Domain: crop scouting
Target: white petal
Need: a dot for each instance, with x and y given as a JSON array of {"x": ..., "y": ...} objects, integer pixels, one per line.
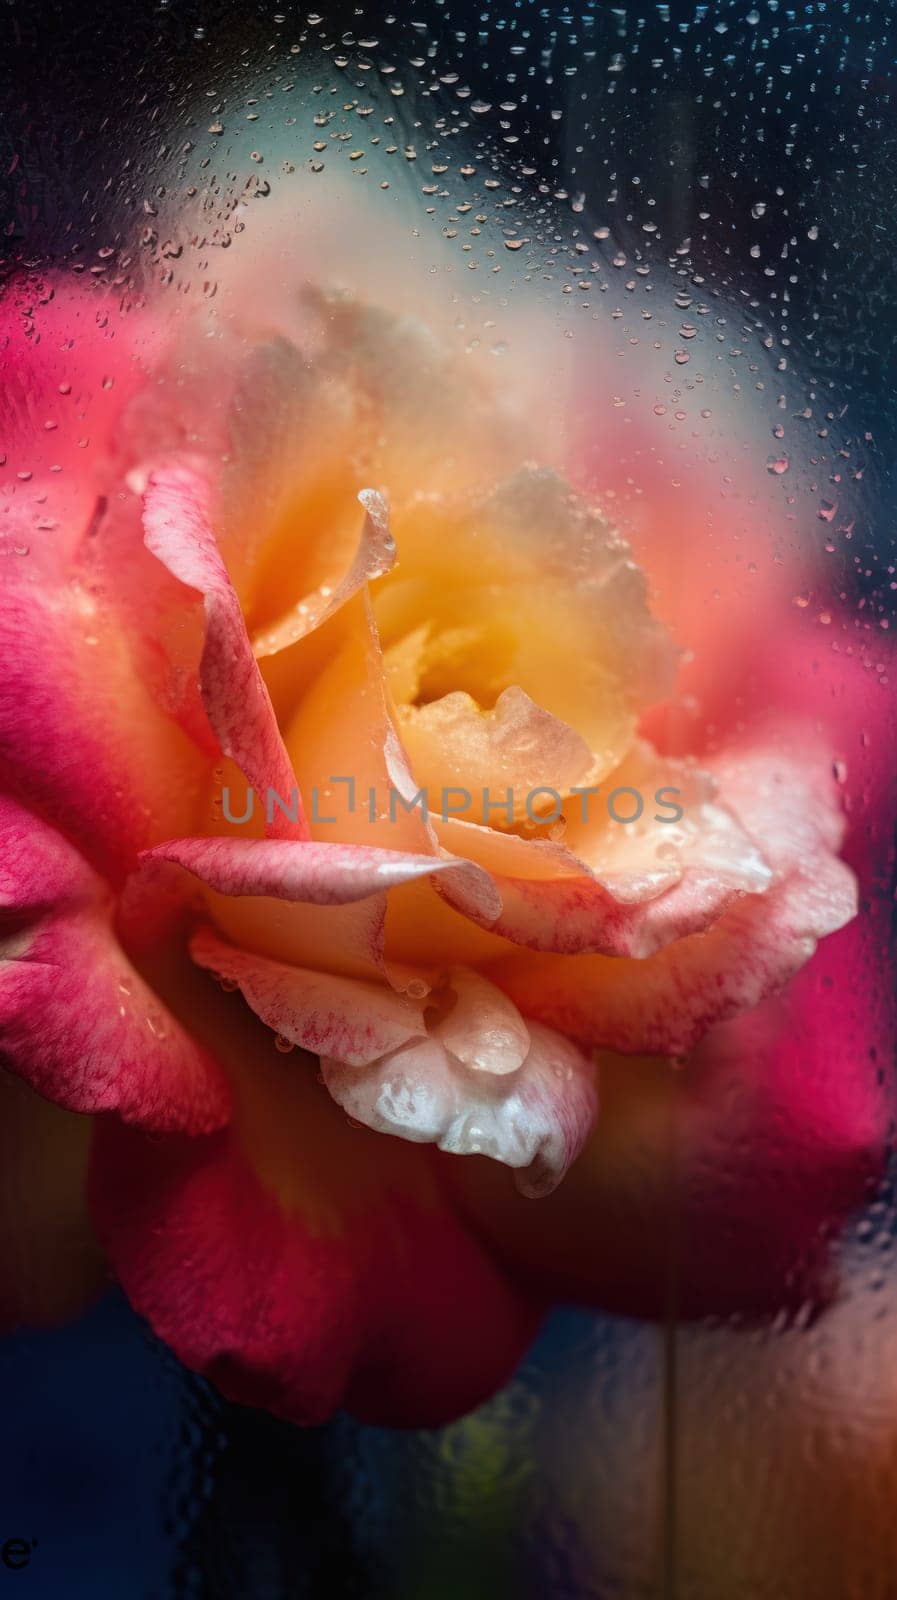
[
  {"x": 484, "y": 1030},
  {"x": 534, "y": 1120}
]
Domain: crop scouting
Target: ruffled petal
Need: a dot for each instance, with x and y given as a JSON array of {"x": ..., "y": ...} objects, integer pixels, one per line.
[
  {"x": 307, "y": 870},
  {"x": 76, "y": 1019},
  {"x": 665, "y": 1003},
  {"x": 309, "y": 903},
  {"x": 351, "y": 764},
  {"x": 536, "y": 514},
  {"x": 303, "y": 1264},
  {"x": 394, "y": 372},
  {"x": 721, "y": 1180},
  {"x": 179, "y": 532},
  {"x": 320, "y": 1011},
  {"x": 533, "y": 1116},
  {"x": 619, "y": 888},
  {"x": 528, "y": 586},
  {"x": 484, "y": 1030},
  {"x": 507, "y": 751},
  {"x": 373, "y": 555}
]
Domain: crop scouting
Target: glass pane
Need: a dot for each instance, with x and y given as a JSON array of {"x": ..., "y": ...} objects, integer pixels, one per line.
[{"x": 478, "y": 420}]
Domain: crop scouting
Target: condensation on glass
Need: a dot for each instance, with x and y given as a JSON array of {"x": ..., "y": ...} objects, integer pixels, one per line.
[{"x": 687, "y": 211}]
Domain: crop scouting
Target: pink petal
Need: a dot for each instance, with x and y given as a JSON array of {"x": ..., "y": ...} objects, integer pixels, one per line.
[
  {"x": 571, "y": 916},
  {"x": 307, "y": 870},
  {"x": 70, "y": 361},
  {"x": 76, "y": 1020},
  {"x": 619, "y": 889},
  {"x": 575, "y": 915},
  {"x": 80, "y": 736},
  {"x": 178, "y": 531},
  {"x": 323, "y": 1013},
  {"x": 665, "y": 1003},
  {"x": 631, "y": 903}
]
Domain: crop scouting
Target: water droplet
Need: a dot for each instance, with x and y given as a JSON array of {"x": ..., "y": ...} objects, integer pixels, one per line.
[{"x": 157, "y": 1025}]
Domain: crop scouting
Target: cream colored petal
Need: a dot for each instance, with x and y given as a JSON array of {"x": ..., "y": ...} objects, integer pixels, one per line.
[
  {"x": 516, "y": 746},
  {"x": 616, "y": 887},
  {"x": 374, "y": 555},
  {"x": 663, "y": 1004},
  {"x": 484, "y": 1030},
  {"x": 527, "y": 585},
  {"x": 534, "y": 1120},
  {"x": 421, "y": 414}
]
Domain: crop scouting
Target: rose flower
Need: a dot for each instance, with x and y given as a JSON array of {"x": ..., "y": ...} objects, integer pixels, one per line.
[{"x": 324, "y": 737}]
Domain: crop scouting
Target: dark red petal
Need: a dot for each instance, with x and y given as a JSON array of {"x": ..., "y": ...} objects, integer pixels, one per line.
[
  {"x": 302, "y": 1263},
  {"x": 719, "y": 1182}
]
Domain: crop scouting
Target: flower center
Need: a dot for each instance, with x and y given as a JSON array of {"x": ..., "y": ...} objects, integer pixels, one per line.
[{"x": 432, "y": 661}]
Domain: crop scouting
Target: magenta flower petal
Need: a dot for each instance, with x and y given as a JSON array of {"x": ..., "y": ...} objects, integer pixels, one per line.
[
  {"x": 322, "y": 1012},
  {"x": 76, "y": 1020},
  {"x": 178, "y": 530},
  {"x": 306, "y": 870}
]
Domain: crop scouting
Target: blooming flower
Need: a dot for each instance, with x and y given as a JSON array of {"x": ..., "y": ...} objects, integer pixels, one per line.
[{"x": 319, "y": 569}]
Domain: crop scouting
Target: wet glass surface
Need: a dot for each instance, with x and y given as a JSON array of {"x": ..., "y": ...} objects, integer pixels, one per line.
[{"x": 684, "y": 215}]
